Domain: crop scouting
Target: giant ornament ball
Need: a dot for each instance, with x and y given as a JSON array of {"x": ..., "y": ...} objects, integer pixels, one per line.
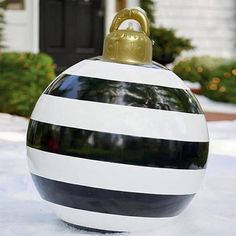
[{"x": 118, "y": 143}]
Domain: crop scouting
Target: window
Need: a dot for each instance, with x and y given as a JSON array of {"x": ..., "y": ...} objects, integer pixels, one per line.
[{"x": 15, "y": 5}]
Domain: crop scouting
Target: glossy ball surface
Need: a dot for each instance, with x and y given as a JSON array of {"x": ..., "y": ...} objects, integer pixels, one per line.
[{"x": 117, "y": 147}]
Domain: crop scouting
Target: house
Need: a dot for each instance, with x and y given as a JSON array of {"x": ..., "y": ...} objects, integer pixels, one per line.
[
  {"x": 68, "y": 30},
  {"x": 71, "y": 30},
  {"x": 211, "y": 24}
]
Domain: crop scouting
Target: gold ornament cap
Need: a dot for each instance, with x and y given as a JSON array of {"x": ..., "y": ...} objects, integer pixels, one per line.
[{"x": 129, "y": 46}]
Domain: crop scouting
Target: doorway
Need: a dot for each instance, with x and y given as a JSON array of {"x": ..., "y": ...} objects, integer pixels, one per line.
[{"x": 71, "y": 30}]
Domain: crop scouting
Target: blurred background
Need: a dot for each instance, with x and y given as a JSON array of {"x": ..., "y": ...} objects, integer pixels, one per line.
[{"x": 41, "y": 38}]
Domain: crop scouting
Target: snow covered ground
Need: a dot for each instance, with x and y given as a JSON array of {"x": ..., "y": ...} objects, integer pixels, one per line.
[
  {"x": 213, "y": 106},
  {"x": 210, "y": 105},
  {"x": 23, "y": 213}
]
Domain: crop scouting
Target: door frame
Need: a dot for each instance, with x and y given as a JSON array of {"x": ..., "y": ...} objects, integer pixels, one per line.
[
  {"x": 33, "y": 12},
  {"x": 74, "y": 18}
]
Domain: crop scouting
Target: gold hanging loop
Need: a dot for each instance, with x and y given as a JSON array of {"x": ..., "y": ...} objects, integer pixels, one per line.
[
  {"x": 129, "y": 46},
  {"x": 131, "y": 14}
]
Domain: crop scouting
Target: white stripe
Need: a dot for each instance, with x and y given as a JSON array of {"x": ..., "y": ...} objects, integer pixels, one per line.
[
  {"x": 127, "y": 120},
  {"x": 126, "y": 73},
  {"x": 110, "y": 222},
  {"x": 113, "y": 176}
]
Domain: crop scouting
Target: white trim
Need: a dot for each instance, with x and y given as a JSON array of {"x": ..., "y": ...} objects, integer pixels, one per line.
[
  {"x": 127, "y": 120},
  {"x": 35, "y": 26},
  {"x": 126, "y": 73},
  {"x": 22, "y": 28},
  {"x": 110, "y": 10},
  {"x": 133, "y": 3},
  {"x": 113, "y": 176},
  {"x": 110, "y": 222}
]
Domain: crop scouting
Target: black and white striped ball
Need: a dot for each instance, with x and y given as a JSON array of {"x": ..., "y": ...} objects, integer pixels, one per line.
[{"x": 117, "y": 147}]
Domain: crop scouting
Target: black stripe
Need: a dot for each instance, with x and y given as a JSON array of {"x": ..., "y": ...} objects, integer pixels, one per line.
[
  {"x": 110, "y": 201},
  {"x": 117, "y": 148},
  {"x": 124, "y": 93}
]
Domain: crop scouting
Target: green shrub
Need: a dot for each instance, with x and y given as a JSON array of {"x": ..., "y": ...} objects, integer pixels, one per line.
[
  {"x": 23, "y": 77},
  {"x": 168, "y": 46},
  {"x": 197, "y": 69},
  {"x": 217, "y": 76},
  {"x": 149, "y": 7},
  {"x": 221, "y": 85}
]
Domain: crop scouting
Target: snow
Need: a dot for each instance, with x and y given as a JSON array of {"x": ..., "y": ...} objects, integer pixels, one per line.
[
  {"x": 210, "y": 105},
  {"x": 22, "y": 212},
  {"x": 192, "y": 85},
  {"x": 213, "y": 106}
]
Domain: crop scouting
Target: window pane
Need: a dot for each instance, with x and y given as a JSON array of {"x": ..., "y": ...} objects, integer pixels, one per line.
[{"x": 15, "y": 4}]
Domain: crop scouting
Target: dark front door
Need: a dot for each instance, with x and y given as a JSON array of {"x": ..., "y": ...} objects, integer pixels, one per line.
[{"x": 71, "y": 30}]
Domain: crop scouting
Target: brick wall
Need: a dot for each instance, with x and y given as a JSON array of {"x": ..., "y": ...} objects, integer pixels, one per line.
[{"x": 211, "y": 24}]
